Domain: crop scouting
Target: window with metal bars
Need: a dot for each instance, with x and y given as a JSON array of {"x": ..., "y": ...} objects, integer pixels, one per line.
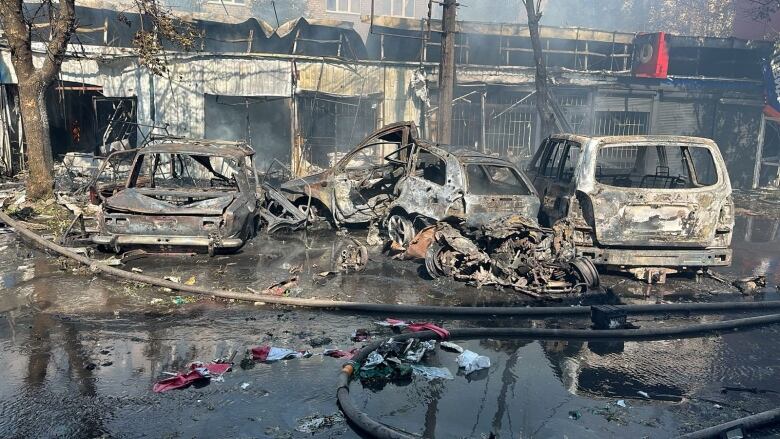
[
  {"x": 332, "y": 126},
  {"x": 621, "y": 123}
]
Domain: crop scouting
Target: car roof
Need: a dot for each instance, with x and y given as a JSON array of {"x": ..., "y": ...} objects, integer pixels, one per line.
[
  {"x": 471, "y": 156},
  {"x": 219, "y": 148},
  {"x": 606, "y": 140}
]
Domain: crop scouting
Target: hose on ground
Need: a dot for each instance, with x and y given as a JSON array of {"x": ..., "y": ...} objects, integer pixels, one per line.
[
  {"x": 379, "y": 430},
  {"x": 457, "y": 311},
  {"x": 747, "y": 423}
]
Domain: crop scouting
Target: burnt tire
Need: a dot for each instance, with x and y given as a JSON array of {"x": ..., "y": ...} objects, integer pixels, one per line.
[
  {"x": 400, "y": 229},
  {"x": 586, "y": 272},
  {"x": 432, "y": 265}
]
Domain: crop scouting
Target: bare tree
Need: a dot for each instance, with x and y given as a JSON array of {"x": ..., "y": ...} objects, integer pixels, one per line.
[
  {"x": 162, "y": 25},
  {"x": 546, "y": 115},
  {"x": 33, "y": 82}
]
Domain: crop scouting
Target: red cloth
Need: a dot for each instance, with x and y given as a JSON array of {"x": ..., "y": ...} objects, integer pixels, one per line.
[
  {"x": 260, "y": 353},
  {"x": 177, "y": 382},
  {"x": 419, "y": 326},
  {"x": 215, "y": 368},
  {"x": 335, "y": 353},
  {"x": 423, "y": 326}
]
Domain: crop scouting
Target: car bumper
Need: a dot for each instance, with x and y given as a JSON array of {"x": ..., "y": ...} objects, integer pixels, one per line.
[
  {"x": 184, "y": 241},
  {"x": 708, "y": 257}
]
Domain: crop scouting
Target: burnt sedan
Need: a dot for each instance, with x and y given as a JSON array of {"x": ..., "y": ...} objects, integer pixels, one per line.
[
  {"x": 410, "y": 183},
  {"x": 195, "y": 194}
]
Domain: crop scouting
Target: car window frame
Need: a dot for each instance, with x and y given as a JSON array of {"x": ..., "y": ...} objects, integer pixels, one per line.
[{"x": 413, "y": 165}]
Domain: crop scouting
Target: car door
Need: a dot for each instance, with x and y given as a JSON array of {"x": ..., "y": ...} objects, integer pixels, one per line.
[{"x": 553, "y": 178}]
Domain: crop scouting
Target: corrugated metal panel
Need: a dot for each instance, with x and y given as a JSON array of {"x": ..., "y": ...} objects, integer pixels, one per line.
[
  {"x": 347, "y": 80},
  {"x": 684, "y": 118},
  {"x": 623, "y": 103}
]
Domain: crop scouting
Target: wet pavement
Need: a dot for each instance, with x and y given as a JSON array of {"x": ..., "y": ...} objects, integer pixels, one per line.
[{"x": 81, "y": 352}]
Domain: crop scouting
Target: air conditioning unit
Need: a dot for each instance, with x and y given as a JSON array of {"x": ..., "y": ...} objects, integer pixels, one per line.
[{"x": 651, "y": 56}]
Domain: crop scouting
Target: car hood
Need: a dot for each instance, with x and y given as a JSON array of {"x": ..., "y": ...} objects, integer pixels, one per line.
[{"x": 132, "y": 201}]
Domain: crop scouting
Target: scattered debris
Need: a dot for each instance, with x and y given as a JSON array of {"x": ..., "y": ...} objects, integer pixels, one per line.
[
  {"x": 749, "y": 285},
  {"x": 450, "y": 346},
  {"x": 574, "y": 415},
  {"x": 313, "y": 424},
  {"x": 393, "y": 360},
  {"x": 432, "y": 373},
  {"x": 621, "y": 403},
  {"x": 643, "y": 394},
  {"x": 320, "y": 341},
  {"x": 336, "y": 353},
  {"x": 361, "y": 334},
  {"x": 373, "y": 239},
  {"x": 244, "y": 386},
  {"x": 510, "y": 251},
  {"x": 267, "y": 354},
  {"x": 471, "y": 361},
  {"x": 415, "y": 327},
  {"x": 354, "y": 257},
  {"x": 279, "y": 288},
  {"x": 197, "y": 371}
]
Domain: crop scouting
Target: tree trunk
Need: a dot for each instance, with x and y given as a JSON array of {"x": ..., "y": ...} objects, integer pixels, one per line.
[
  {"x": 546, "y": 114},
  {"x": 34, "y": 82},
  {"x": 35, "y": 123}
]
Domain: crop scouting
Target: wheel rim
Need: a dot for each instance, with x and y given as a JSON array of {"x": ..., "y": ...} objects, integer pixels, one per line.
[{"x": 400, "y": 230}]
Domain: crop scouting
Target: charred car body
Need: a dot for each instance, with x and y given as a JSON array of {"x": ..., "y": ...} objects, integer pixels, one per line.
[
  {"x": 193, "y": 193},
  {"x": 645, "y": 203},
  {"x": 410, "y": 183}
]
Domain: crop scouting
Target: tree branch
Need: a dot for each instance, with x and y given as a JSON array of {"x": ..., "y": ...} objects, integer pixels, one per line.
[{"x": 61, "y": 30}]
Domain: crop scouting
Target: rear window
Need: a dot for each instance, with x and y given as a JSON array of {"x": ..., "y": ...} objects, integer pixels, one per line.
[
  {"x": 495, "y": 180},
  {"x": 656, "y": 166}
]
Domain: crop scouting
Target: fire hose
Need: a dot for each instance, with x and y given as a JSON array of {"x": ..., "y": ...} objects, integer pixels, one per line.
[
  {"x": 378, "y": 430},
  {"x": 453, "y": 311}
]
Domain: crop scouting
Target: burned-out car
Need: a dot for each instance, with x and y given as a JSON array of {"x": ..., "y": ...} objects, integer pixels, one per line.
[
  {"x": 194, "y": 193},
  {"x": 662, "y": 202},
  {"x": 410, "y": 183}
]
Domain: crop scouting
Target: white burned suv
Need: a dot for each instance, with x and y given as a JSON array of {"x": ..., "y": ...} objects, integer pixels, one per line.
[{"x": 658, "y": 202}]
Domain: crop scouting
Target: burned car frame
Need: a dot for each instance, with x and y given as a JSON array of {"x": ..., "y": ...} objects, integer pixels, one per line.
[
  {"x": 659, "y": 202},
  {"x": 409, "y": 183},
  {"x": 184, "y": 193}
]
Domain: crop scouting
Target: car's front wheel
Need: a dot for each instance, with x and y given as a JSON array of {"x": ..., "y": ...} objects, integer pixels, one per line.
[{"x": 400, "y": 229}]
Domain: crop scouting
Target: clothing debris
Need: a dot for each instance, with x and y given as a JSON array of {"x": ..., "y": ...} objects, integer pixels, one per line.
[
  {"x": 269, "y": 353},
  {"x": 432, "y": 373},
  {"x": 471, "y": 361},
  {"x": 415, "y": 327},
  {"x": 198, "y": 371},
  {"x": 336, "y": 353}
]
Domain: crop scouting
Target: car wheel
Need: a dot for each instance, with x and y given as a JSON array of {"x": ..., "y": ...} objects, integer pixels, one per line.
[
  {"x": 432, "y": 265},
  {"x": 400, "y": 229}
]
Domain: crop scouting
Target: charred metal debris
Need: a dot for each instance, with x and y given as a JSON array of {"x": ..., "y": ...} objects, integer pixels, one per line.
[{"x": 507, "y": 251}]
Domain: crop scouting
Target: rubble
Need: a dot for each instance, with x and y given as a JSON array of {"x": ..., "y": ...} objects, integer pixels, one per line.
[{"x": 509, "y": 251}]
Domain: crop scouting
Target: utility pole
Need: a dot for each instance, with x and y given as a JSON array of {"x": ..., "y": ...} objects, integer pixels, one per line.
[{"x": 446, "y": 72}]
